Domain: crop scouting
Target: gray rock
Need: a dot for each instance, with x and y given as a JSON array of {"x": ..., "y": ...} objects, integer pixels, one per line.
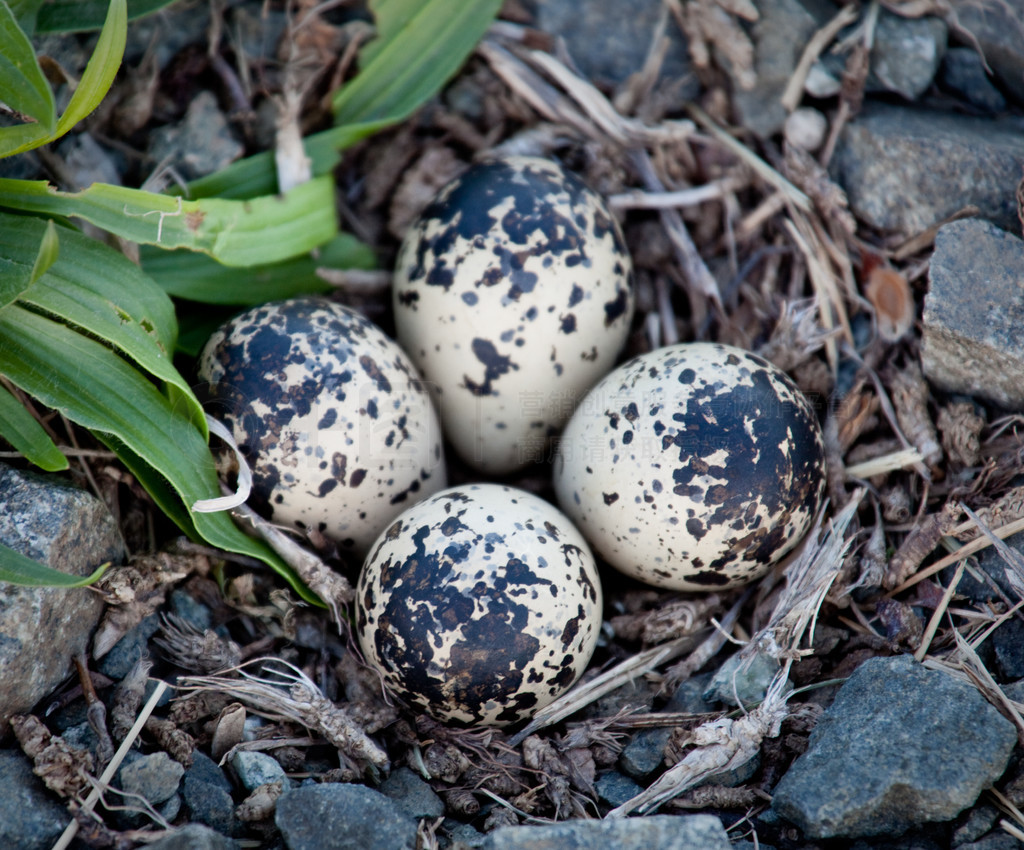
[
  {"x": 256, "y": 769},
  {"x": 205, "y": 769},
  {"x": 335, "y": 816},
  {"x": 645, "y": 754},
  {"x": 155, "y": 777},
  {"x": 906, "y": 54},
  {"x": 658, "y": 832},
  {"x": 615, "y": 789},
  {"x": 208, "y": 804},
  {"x": 120, "y": 659},
  {"x": 996, "y": 841},
  {"x": 87, "y": 162},
  {"x": 200, "y": 144},
  {"x": 999, "y": 29},
  {"x": 779, "y": 37},
  {"x": 964, "y": 73},
  {"x": 979, "y": 821},
  {"x": 43, "y": 628},
  {"x": 689, "y": 696},
  {"x": 905, "y": 169},
  {"x": 194, "y": 837},
  {"x": 607, "y": 45},
  {"x": 414, "y": 796},
  {"x": 1008, "y": 645},
  {"x": 31, "y": 818},
  {"x": 899, "y": 746},
  {"x": 745, "y": 679},
  {"x": 974, "y": 313}
]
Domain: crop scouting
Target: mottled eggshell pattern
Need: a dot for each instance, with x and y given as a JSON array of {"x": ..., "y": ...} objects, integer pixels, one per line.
[
  {"x": 329, "y": 413},
  {"x": 513, "y": 294},
  {"x": 693, "y": 467},
  {"x": 479, "y": 605}
]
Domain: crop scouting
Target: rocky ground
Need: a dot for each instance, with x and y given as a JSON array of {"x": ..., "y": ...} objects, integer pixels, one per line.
[{"x": 837, "y": 189}]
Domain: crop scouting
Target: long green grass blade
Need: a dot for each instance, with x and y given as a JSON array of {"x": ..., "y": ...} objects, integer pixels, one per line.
[
  {"x": 196, "y": 277},
  {"x": 49, "y": 249},
  {"x": 96, "y": 388},
  {"x": 420, "y": 46},
  {"x": 100, "y": 71},
  {"x": 84, "y": 15},
  {"x": 95, "y": 288},
  {"x": 22, "y": 431},
  {"x": 23, "y": 86},
  {"x": 16, "y": 568},
  {"x": 262, "y": 230}
]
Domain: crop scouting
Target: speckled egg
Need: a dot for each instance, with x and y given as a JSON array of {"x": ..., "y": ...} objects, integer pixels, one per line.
[
  {"x": 479, "y": 605},
  {"x": 513, "y": 294},
  {"x": 693, "y": 467},
  {"x": 329, "y": 413}
]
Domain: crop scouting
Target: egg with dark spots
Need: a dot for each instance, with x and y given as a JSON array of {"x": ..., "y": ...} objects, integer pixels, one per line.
[
  {"x": 513, "y": 294},
  {"x": 693, "y": 467},
  {"x": 329, "y": 413},
  {"x": 479, "y": 605}
]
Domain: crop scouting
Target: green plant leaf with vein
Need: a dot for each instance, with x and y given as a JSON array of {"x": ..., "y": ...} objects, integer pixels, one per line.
[
  {"x": 24, "y": 81},
  {"x": 261, "y": 230},
  {"x": 196, "y": 277},
  {"x": 16, "y": 568},
  {"x": 420, "y": 46},
  {"x": 21, "y": 430}
]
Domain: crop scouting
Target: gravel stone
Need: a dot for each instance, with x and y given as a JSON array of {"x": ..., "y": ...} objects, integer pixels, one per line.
[
  {"x": 899, "y": 746},
  {"x": 31, "y": 818},
  {"x": 209, "y": 804},
  {"x": 999, "y": 29},
  {"x": 974, "y": 312},
  {"x": 962, "y": 72},
  {"x": 414, "y": 796},
  {"x": 155, "y": 777},
  {"x": 194, "y": 837},
  {"x": 905, "y": 169},
  {"x": 338, "y": 816},
  {"x": 256, "y": 769},
  {"x": 658, "y": 832},
  {"x": 133, "y": 645},
  {"x": 205, "y": 769},
  {"x": 746, "y": 680},
  {"x": 71, "y": 530},
  {"x": 1008, "y": 645},
  {"x": 615, "y": 789},
  {"x": 200, "y": 144},
  {"x": 645, "y": 753},
  {"x": 906, "y": 54}
]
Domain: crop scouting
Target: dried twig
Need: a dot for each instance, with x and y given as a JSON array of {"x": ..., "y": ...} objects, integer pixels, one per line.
[{"x": 288, "y": 694}]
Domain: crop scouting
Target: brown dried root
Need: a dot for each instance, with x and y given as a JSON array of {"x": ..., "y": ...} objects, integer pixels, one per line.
[
  {"x": 64, "y": 769},
  {"x": 708, "y": 28},
  {"x": 201, "y": 652},
  {"x": 261, "y": 803},
  {"x": 961, "y": 428},
  {"x": 177, "y": 743},
  {"x": 1006, "y": 509},
  {"x": 561, "y": 773},
  {"x": 828, "y": 197},
  {"x": 128, "y": 699},
  {"x": 134, "y": 592},
  {"x": 910, "y": 396},
  {"x": 920, "y": 544},
  {"x": 289, "y": 695},
  {"x": 721, "y": 797}
]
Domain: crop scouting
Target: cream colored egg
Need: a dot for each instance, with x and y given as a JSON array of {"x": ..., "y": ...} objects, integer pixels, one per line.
[
  {"x": 693, "y": 467},
  {"x": 328, "y": 412},
  {"x": 513, "y": 295},
  {"x": 479, "y": 605}
]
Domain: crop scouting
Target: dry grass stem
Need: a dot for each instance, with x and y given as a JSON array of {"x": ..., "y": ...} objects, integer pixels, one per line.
[
  {"x": 637, "y": 199},
  {"x": 289, "y": 695},
  {"x": 794, "y": 92},
  {"x": 939, "y": 613},
  {"x": 903, "y": 459}
]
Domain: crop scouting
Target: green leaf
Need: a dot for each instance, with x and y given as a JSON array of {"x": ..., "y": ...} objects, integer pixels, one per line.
[
  {"x": 261, "y": 230},
  {"x": 420, "y": 45},
  {"x": 26, "y": 11},
  {"x": 256, "y": 175},
  {"x": 100, "y": 71},
  {"x": 91, "y": 89},
  {"x": 198, "y": 278},
  {"x": 19, "y": 569},
  {"x": 23, "y": 86},
  {"x": 83, "y": 15},
  {"x": 21, "y": 430},
  {"x": 215, "y": 529},
  {"x": 96, "y": 388},
  {"x": 49, "y": 248},
  {"x": 93, "y": 287}
]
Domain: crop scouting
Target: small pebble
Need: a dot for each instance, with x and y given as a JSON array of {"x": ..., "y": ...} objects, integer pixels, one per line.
[
  {"x": 256, "y": 769},
  {"x": 155, "y": 777},
  {"x": 805, "y": 128},
  {"x": 412, "y": 794}
]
